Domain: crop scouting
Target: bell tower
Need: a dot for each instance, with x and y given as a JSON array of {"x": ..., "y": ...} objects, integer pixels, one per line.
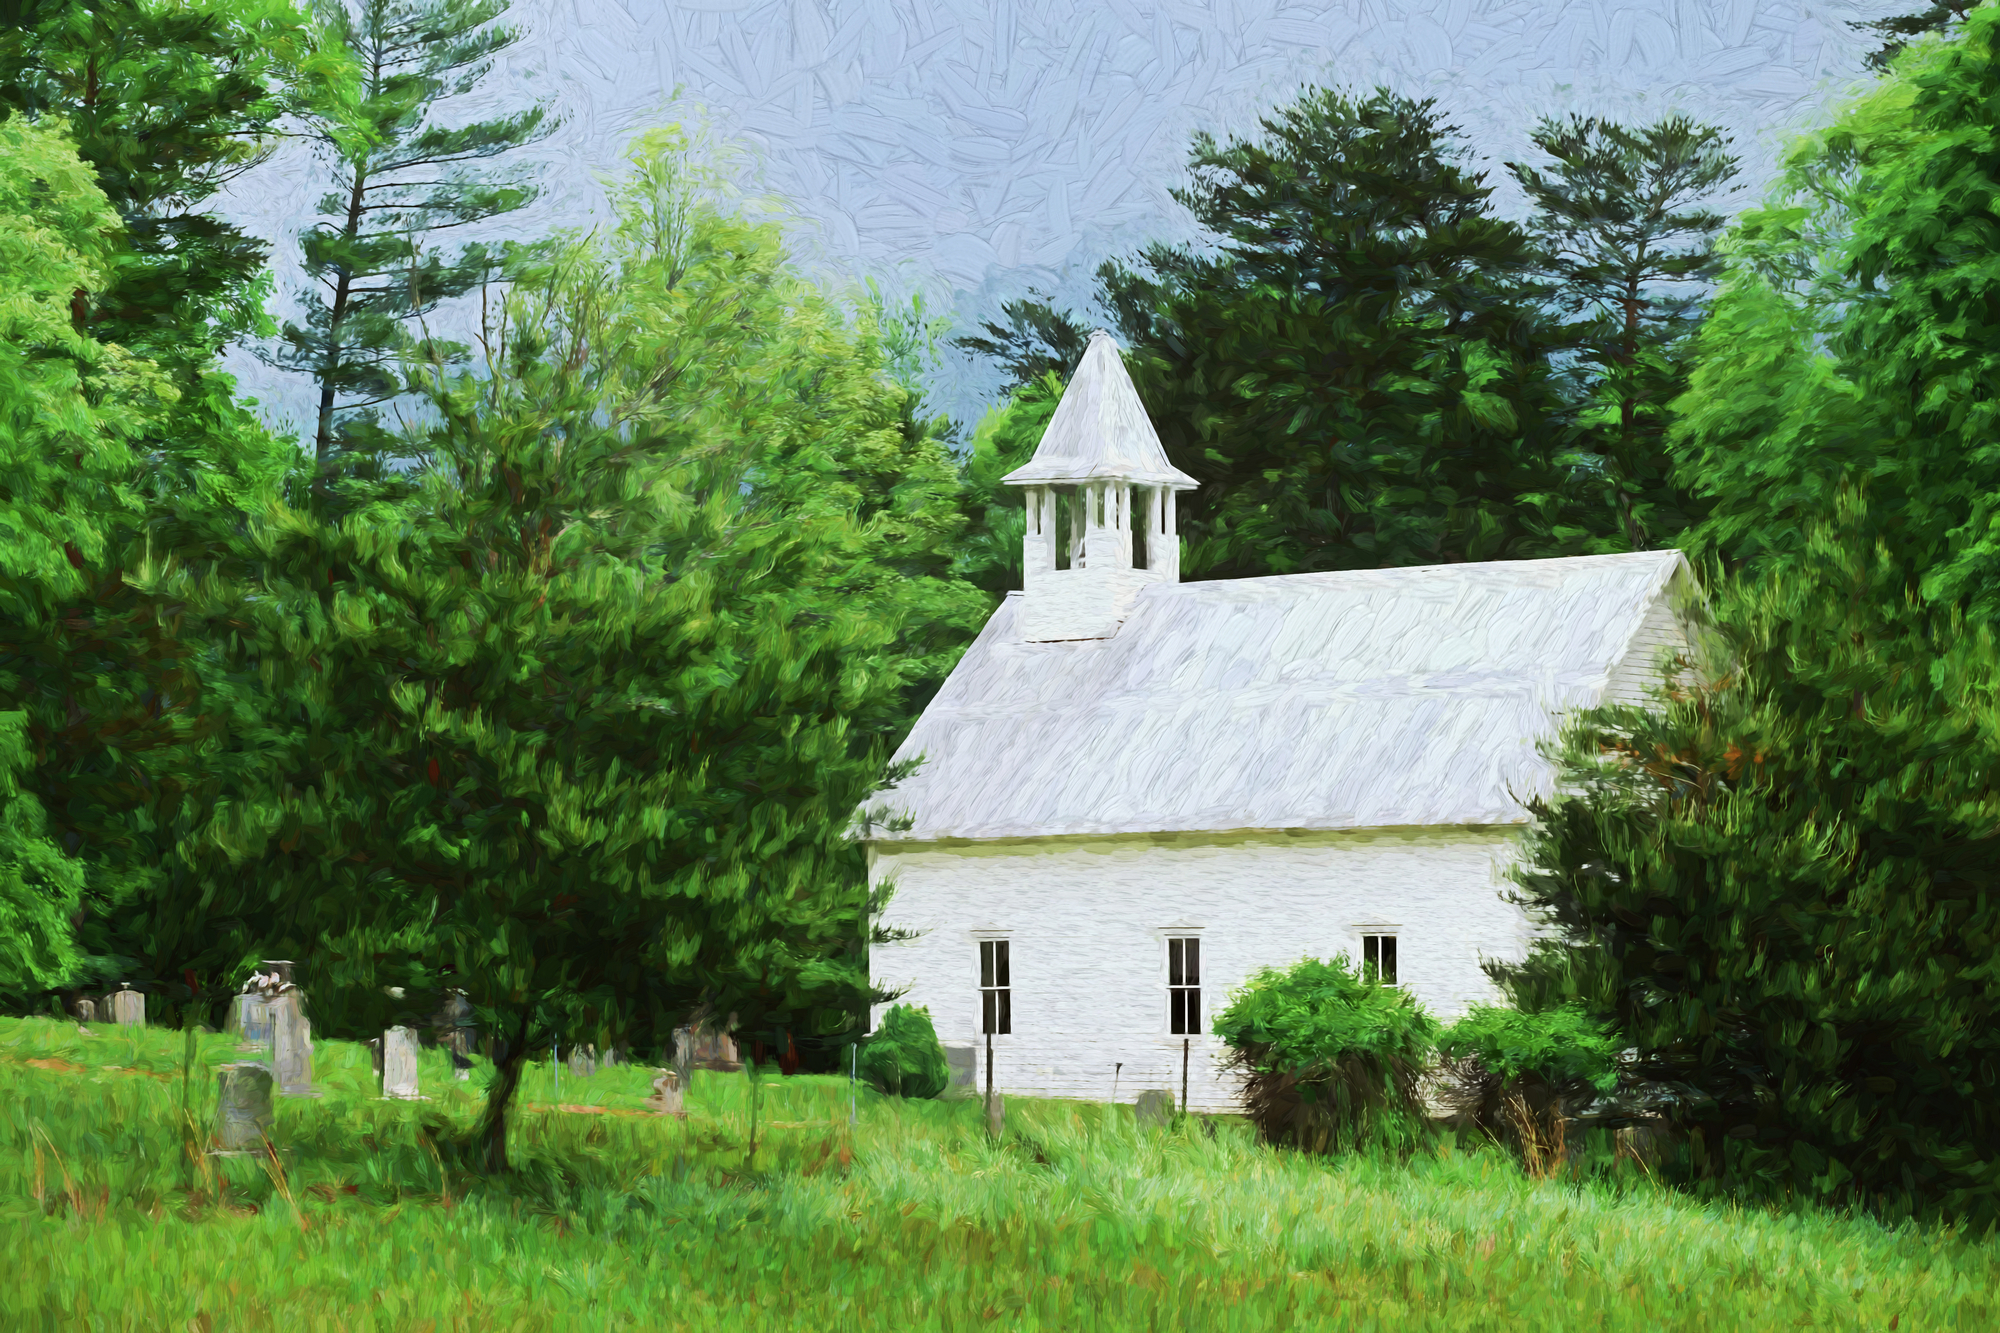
[{"x": 1101, "y": 522}]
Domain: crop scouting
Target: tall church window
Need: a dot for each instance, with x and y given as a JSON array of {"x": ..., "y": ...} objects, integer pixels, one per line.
[
  {"x": 1184, "y": 985},
  {"x": 996, "y": 989},
  {"x": 1378, "y": 958}
]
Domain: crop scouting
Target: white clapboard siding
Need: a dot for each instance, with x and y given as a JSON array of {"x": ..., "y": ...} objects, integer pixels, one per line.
[
  {"x": 1087, "y": 919},
  {"x": 1367, "y": 699},
  {"x": 1636, "y": 679}
]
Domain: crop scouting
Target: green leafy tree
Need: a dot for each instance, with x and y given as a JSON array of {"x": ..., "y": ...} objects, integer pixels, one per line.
[
  {"x": 398, "y": 179},
  {"x": 1630, "y": 258},
  {"x": 1037, "y": 341},
  {"x": 1780, "y": 888},
  {"x": 167, "y": 102},
  {"x": 592, "y": 712},
  {"x": 70, "y": 407}
]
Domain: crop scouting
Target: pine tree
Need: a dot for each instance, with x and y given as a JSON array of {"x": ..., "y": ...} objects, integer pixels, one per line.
[
  {"x": 1626, "y": 249},
  {"x": 1349, "y": 363},
  {"x": 168, "y": 103},
  {"x": 397, "y": 180},
  {"x": 588, "y": 721}
]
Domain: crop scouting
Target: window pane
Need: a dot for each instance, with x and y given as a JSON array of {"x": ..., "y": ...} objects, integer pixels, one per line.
[
  {"x": 986, "y": 1003},
  {"x": 1193, "y": 963},
  {"x": 986, "y": 962},
  {"x": 1176, "y": 1012},
  {"x": 1370, "y": 953},
  {"x": 1389, "y": 959},
  {"x": 1174, "y": 963},
  {"x": 1000, "y": 963},
  {"x": 1006, "y": 1010}
]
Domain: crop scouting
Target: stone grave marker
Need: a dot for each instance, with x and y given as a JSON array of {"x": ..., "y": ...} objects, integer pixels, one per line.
[
  {"x": 128, "y": 1007},
  {"x": 86, "y": 1011},
  {"x": 582, "y": 1061},
  {"x": 1155, "y": 1108},
  {"x": 243, "y": 1107},
  {"x": 399, "y": 1064},
  {"x": 291, "y": 1044},
  {"x": 669, "y": 1095},
  {"x": 963, "y": 1061}
]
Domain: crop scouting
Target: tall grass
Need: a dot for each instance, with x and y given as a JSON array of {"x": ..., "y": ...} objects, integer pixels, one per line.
[{"x": 910, "y": 1219}]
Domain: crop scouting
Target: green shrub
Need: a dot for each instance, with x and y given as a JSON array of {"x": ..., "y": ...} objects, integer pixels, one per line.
[
  {"x": 1557, "y": 1058},
  {"x": 1332, "y": 1060},
  {"x": 904, "y": 1056}
]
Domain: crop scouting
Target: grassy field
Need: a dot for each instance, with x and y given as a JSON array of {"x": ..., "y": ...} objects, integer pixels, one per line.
[{"x": 908, "y": 1220}]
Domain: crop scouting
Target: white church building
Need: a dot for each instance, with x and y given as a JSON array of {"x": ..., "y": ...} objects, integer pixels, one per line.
[{"x": 1135, "y": 792}]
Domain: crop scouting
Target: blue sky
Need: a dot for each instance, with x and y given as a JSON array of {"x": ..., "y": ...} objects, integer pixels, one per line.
[{"x": 971, "y": 149}]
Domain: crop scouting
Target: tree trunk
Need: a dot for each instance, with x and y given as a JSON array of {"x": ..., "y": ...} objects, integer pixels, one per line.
[{"x": 492, "y": 1132}]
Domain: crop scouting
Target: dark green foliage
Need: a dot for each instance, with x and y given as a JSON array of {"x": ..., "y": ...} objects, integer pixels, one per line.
[
  {"x": 1351, "y": 365},
  {"x": 167, "y": 103},
  {"x": 990, "y": 554},
  {"x": 903, "y": 1056},
  {"x": 1332, "y": 1059},
  {"x": 397, "y": 179},
  {"x": 1629, "y": 259},
  {"x": 585, "y": 719},
  {"x": 1783, "y": 889},
  {"x": 1943, "y": 17},
  {"x": 1036, "y": 342}
]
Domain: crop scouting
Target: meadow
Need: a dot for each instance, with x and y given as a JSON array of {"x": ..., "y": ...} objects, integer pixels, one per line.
[{"x": 907, "y": 1218}]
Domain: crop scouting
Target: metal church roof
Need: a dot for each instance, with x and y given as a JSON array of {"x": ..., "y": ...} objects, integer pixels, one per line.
[
  {"x": 1368, "y": 699},
  {"x": 1100, "y": 430}
]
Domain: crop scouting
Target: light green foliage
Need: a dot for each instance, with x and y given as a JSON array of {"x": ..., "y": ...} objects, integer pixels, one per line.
[
  {"x": 69, "y": 407},
  {"x": 913, "y": 1219},
  {"x": 168, "y": 100},
  {"x": 1558, "y": 1046},
  {"x": 1331, "y": 1057},
  {"x": 903, "y": 1056}
]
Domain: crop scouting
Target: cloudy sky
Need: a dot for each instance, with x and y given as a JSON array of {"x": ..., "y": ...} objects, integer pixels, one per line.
[{"x": 972, "y": 149}]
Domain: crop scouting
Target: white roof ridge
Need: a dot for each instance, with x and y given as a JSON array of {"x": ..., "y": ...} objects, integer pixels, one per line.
[{"x": 1100, "y": 430}]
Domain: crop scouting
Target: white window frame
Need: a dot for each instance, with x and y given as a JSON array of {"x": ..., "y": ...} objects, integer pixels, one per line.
[
  {"x": 1169, "y": 938},
  {"x": 1378, "y": 930},
  {"x": 981, "y": 940}
]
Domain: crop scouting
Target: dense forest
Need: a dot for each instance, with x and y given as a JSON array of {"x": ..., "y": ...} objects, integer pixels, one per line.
[{"x": 558, "y": 685}]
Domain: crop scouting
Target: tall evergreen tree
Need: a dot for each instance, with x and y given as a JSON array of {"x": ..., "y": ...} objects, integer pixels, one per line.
[
  {"x": 1627, "y": 250},
  {"x": 588, "y": 716},
  {"x": 398, "y": 179},
  {"x": 168, "y": 103},
  {"x": 1350, "y": 363}
]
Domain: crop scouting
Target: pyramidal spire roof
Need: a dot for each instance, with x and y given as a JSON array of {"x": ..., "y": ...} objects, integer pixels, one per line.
[{"x": 1100, "y": 430}]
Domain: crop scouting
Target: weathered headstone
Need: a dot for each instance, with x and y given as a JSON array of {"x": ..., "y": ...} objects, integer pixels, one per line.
[
  {"x": 86, "y": 1011},
  {"x": 669, "y": 1094},
  {"x": 461, "y": 1067},
  {"x": 1154, "y": 1108},
  {"x": 291, "y": 1044},
  {"x": 244, "y": 1107},
  {"x": 996, "y": 1113},
  {"x": 399, "y": 1064},
  {"x": 963, "y": 1061},
  {"x": 128, "y": 1007},
  {"x": 582, "y": 1061}
]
